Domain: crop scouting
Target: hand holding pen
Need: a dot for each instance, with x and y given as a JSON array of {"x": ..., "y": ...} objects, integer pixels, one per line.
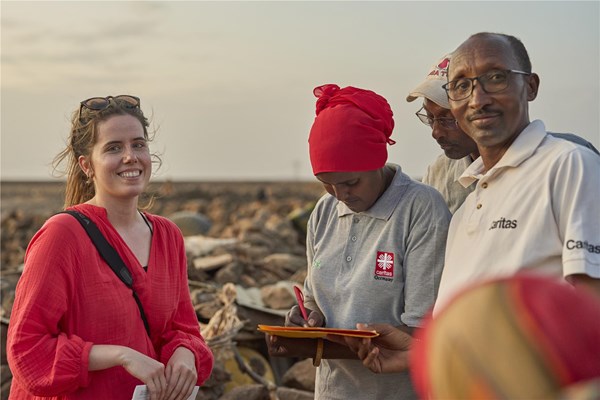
[
  {"x": 300, "y": 300},
  {"x": 300, "y": 316}
]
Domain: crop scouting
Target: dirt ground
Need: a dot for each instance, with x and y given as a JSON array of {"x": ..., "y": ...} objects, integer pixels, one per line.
[
  {"x": 232, "y": 207},
  {"x": 48, "y": 196}
]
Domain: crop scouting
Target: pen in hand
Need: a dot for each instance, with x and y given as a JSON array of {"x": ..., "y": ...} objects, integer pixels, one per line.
[{"x": 300, "y": 299}]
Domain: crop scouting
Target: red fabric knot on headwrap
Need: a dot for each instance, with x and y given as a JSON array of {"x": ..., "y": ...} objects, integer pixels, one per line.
[{"x": 351, "y": 130}]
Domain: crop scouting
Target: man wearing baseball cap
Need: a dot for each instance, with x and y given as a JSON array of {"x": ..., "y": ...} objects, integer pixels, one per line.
[{"x": 459, "y": 149}]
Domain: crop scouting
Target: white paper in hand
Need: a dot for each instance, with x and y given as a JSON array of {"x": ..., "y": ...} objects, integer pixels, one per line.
[{"x": 141, "y": 393}]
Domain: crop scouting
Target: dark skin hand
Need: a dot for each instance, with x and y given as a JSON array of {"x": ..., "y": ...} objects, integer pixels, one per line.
[
  {"x": 294, "y": 318},
  {"x": 279, "y": 346},
  {"x": 585, "y": 282},
  {"x": 388, "y": 352}
]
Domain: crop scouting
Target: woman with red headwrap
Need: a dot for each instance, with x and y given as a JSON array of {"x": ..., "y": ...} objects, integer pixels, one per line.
[{"x": 375, "y": 243}]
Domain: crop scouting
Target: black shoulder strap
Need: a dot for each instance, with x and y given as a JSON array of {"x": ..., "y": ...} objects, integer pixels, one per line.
[{"x": 110, "y": 255}]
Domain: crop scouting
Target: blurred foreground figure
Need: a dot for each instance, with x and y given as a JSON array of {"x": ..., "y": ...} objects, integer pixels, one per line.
[{"x": 526, "y": 337}]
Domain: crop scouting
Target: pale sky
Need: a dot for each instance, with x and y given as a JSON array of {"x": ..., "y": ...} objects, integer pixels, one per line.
[{"x": 229, "y": 84}]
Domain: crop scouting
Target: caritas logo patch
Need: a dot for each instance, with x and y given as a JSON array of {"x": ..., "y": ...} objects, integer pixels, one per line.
[{"x": 384, "y": 265}]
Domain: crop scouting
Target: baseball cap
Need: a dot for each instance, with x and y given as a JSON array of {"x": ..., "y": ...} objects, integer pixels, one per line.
[{"x": 432, "y": 88}]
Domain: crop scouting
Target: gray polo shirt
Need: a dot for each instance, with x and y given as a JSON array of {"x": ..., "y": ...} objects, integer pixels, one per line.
[
  {"x": 443, "y": 175},
  {"x": 380, "y": 265}
]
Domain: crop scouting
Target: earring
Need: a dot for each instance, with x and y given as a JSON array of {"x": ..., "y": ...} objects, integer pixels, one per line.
[{"x": 89, "y": 179}]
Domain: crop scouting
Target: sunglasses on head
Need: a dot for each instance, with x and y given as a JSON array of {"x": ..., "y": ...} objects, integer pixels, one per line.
[{"x": 100, "y": 103}]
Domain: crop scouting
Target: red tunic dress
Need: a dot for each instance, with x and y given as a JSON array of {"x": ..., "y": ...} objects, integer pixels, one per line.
[{"x": 69, "y": 299}]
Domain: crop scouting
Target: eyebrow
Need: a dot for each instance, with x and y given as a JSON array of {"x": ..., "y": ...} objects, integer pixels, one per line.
[
  {"x": 487, "y": 67},
  {"x": 136, "y": 139},
  {"x": 112, "y": 142},
  {"x": 447, "y": 112}
]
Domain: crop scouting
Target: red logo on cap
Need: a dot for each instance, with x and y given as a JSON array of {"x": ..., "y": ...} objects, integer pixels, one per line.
[
  {"x": 384, "y": 265},
  {"x": 441, "y": 69},
  {"x": 444, "y": 64}
]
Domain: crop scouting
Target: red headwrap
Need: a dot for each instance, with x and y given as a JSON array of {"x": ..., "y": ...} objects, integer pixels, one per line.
[{"x": 351, "y": 131}]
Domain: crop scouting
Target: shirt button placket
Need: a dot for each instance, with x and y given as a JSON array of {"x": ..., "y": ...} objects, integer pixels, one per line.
[
  {"x": 353, "y": 239},
  {"x": 484, "y": 185}
]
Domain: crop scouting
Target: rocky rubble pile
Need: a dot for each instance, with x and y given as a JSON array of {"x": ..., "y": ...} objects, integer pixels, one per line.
[{"x": 247, "y": 237}]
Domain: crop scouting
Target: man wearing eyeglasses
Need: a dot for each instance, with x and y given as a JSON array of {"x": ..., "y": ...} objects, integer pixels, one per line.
[
  {"x": 459, "y": 149},
  {"x": 535, "y": 203},
  {"x": 534, "y": 206}
]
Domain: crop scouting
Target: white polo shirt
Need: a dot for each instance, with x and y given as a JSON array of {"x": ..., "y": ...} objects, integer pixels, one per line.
[{"x": 537, "y": 209}]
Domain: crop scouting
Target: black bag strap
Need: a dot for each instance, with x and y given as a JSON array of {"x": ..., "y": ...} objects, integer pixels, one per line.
[{"x": 110, "y": 255}]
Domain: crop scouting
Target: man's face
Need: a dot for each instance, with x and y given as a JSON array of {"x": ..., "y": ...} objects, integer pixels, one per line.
[
  {"x": 491, "y": 119},
  {"x": 455, "y": 143}
]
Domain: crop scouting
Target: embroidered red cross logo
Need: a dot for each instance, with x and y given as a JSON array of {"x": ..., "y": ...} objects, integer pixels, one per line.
[{"x": 384, "y": 264}]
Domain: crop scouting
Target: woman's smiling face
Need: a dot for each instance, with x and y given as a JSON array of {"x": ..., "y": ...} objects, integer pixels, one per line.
[{"x": 120, "y": 161}]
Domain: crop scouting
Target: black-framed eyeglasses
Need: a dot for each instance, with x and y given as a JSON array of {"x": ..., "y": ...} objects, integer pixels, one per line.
[
  {"x": 491, "y": 82},
  {"x": 100, "y": 103},
  {"x": 448, "y": 123}
]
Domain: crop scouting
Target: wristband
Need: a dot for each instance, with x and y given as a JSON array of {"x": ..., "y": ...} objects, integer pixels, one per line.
[{"x": 319, "y": 353}]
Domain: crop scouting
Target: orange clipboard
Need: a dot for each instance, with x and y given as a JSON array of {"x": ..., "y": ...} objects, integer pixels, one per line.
[{"x": 313, "y": 332}]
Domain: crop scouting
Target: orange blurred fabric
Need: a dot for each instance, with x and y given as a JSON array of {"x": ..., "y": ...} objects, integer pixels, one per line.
[{"x": 524, "y": 337}]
